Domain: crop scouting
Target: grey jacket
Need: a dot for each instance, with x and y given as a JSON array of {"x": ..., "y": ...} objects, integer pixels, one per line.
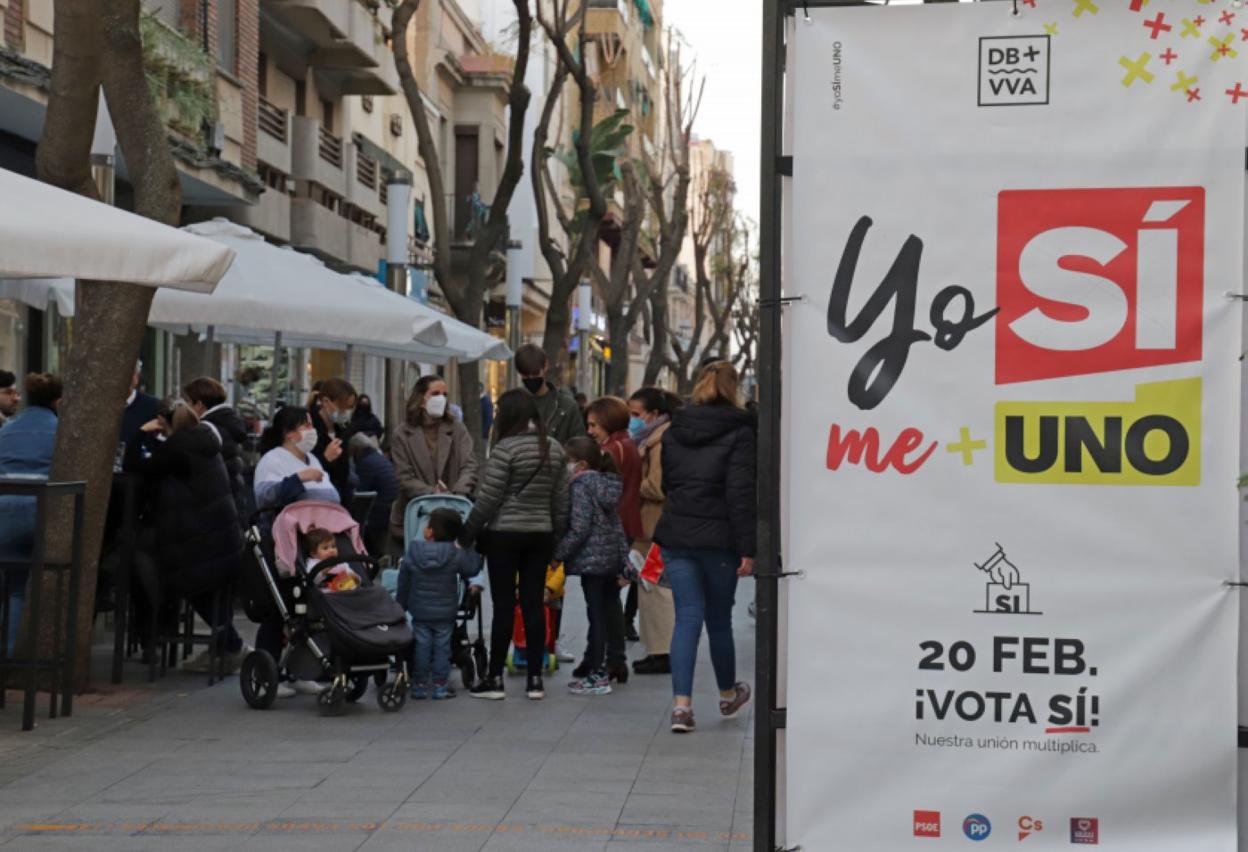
[
  {"x": 429, "y": 580},
  {"x": 595, "y": 542},
  {"x": 505, "y": 503},
  {"x": 418, "y": 472}
]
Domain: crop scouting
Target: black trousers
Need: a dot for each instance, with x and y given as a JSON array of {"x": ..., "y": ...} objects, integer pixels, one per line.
[
  {"x": 599, "y": 591},
  {"x": 523, "y": 557}
]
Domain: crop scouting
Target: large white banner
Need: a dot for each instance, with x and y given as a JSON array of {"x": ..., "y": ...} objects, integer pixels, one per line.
[{"x": 1012, "y": 412}]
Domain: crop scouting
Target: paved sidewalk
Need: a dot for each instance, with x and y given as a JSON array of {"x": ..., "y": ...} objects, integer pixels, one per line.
[{"x": 178, "y": 765}]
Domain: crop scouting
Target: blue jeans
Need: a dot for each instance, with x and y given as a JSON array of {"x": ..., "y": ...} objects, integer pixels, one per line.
[
  {"x": 704, "y": 584},
  {"x": 433, "y": 650}
]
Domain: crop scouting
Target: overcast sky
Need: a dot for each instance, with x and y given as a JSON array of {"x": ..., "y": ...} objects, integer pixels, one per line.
[{"x": 726, "y": 36}]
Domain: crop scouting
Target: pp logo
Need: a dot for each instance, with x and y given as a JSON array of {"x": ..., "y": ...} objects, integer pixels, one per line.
[
  {"x": 1013, "y": 70},
  {"x": 1085, "y": 831},
  {"x": 1098, "y": 280},
  {"x": 927, "y": 823},
  {"x": 977, "y": 827}
]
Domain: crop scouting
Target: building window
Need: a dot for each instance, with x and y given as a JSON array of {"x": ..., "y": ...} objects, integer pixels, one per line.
[{"x": 227, "y": 35}]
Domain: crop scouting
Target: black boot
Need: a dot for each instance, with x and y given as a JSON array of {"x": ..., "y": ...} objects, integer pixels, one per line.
[
  {"x": 618, "y": 672},
  {"x": 653, "y": 665}
]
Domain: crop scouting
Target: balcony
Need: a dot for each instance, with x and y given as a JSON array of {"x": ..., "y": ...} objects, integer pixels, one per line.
[
  {"x": 270, "y": 215},
  {"x": 364, "y": 248},
  {"x": 363, "y": 177},
  {"x": 316, "y": 228},
  {"x": 317, "y": 155},
  {"x": 344, "y": 38},
  {"x": 273, "y": 140}
]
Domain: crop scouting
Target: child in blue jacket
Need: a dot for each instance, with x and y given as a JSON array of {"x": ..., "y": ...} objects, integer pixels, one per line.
[{"x": 428, "y": 589}]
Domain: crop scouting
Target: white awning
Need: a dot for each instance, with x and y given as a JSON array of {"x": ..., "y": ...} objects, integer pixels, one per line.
[{"x": 46, "y": 232}]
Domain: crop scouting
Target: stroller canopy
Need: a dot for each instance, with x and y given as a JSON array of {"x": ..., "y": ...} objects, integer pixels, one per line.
[{"x": 298, "y": 518}]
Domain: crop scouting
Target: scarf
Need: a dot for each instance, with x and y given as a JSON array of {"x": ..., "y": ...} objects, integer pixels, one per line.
[{"x": 643, "y": 437}]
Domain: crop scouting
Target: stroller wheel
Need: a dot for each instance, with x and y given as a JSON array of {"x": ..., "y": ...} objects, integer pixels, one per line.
[
  {"x": 359, "y": 685},
  {"x": 392, "y": 696},
  {"x": 258, "y": 680},
  {"x": 332, "y": 701}
]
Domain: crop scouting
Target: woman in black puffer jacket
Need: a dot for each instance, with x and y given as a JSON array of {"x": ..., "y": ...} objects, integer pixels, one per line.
[
  {"x": 707, "y": 532},
  {"x": 198, "y": 539}
]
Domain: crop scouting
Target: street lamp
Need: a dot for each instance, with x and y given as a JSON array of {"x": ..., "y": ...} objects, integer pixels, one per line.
[
  {"x": 398, "y": 210},
  {"x": 584, "y": 321}
]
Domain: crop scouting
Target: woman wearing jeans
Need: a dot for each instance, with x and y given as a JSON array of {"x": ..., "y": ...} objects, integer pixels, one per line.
[
  {"x": 521, "y": 511},
  {"x": 707, "y": 533}
]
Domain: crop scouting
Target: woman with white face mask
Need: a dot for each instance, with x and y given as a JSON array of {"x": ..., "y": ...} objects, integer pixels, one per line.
[
  {"x": 432, "y": 451},
  {"x": 289, "y": 470}
]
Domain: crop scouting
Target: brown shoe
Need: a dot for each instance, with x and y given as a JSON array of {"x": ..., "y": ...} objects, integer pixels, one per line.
[
  {"x": 682, "y": 720},
  {"x": 728, "y": 707}
]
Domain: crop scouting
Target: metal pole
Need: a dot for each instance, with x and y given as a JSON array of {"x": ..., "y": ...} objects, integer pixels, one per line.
[
  {"x": 515, "y": 300},
  {"x": 273, "y": 374},
  {"x": 398, "y": 216},
  {"x": 211, "y": 365},
  {"x": 347, "y": 361},
  {"x": 769, "y": 717},
  {"x": 584, "y": 320}
]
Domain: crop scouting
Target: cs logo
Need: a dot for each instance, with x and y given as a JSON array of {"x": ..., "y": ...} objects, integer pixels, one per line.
[
  {"x": 1098, "y": 280},
  {"x": 1028, "y": 826},
  {"x": 977, "y": 827}
]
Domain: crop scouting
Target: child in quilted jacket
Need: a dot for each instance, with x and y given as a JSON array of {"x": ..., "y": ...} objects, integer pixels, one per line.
[{"x": 594, "y": 549}]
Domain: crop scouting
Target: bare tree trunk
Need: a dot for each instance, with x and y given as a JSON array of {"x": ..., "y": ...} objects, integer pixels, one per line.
[
  {"x": 658, "y": 336},
  {"x": 467, "y": 297},
  {"x": 100, "y": 46},
  {"x": 566, "y": 271}
]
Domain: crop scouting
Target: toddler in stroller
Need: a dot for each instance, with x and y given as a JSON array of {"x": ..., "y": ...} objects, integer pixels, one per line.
[{"x": 346, "y": 636}]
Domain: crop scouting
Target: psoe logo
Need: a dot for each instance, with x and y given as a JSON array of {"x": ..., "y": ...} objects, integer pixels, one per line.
[
  {"x": 927, "y": 823},
  {"x": 1152, "y": 440},
  {"x": 1085, "y": 831},
  {"x": 1028, "y": 826},
  {"x": 1005, "y": 592},
  {"x": 1013, "y": 70},
  {"x": 1098, "y": 280},
  {"x": 977, "y": 827}
]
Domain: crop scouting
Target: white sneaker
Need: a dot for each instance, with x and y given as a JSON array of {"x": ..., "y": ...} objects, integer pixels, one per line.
[
  {"x": 563, "y": 656},
  {"x": 306, "y": 687},
  {"x": 285, "y": 691}
]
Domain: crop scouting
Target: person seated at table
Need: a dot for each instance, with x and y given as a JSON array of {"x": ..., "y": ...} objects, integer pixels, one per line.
[
  {"x": 140, "y": 408},
  {"x": 332, "y": 405},
  {"x": 374, "y": 472},
  {"x": 26, "y": 445},
  {"x": 365, "y": 420},
  {"x": 288, "y": 470},
  {"x": 9, "y": 397},
  {"x": 196, "y": 537}
]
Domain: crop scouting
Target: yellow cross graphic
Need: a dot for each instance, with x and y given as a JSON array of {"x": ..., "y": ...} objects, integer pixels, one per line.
[
  {"x": 966, "y": 447},
  {"x": 1082, "y": 6},
  {"x": 1051, "y": 29},
  {"x": 1222, "y": 47},
  {"x": 1183, "y": 83},
  {"x": 1137, "y": 69},
  {"x": 1190, "y": 29}
]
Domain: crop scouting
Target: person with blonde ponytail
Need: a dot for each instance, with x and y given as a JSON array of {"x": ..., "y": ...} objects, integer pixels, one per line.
[{"x": 707, "y": 532}]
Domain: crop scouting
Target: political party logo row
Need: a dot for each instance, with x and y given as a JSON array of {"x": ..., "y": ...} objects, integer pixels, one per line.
[
  {"x": 1089, "y": 281},
  {"x": 1084, "y": 831}
]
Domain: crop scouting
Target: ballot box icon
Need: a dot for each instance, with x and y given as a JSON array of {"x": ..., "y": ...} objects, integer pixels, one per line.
[{"x": 1005, "y": 592}]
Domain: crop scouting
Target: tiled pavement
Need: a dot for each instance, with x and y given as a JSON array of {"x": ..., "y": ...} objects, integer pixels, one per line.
[{"x": 182, "y": 766}]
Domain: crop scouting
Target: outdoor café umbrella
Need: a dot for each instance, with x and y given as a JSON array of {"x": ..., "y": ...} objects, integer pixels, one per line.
[
  {"x": 47, "y": 232},
  {"x": 462, "y": 340}
]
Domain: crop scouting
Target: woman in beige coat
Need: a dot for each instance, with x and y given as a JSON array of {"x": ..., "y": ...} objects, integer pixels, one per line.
[
  {"x": 431, "y": 451},
  {"x": 651, "y": 409}
]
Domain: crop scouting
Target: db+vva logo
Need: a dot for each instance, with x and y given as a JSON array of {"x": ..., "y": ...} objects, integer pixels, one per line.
[
  {"x": 977, "y": 827},
  {"x": 1085, "y": 831}
]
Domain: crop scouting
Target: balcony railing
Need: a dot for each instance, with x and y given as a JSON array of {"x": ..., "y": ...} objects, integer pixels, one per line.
[
  {"x": 272, "y": 120},
  {"x": 366, "y": 170},
  {"x": 330, "y": 148}
]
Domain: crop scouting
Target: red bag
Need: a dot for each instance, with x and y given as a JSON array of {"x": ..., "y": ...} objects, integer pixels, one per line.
[{"x": 653, "y": 569}]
